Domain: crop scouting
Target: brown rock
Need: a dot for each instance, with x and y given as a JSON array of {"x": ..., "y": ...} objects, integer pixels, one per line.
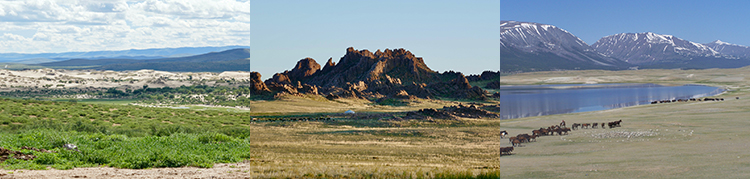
[
  {"x": 304, "y": 68},
  {"x": 404, "y": 95},
  {"x": 493, "y": 85},
  {"x": 281, "y": 78},
  {"x": 308, "y": 89},
  {"x": 256, "y": 85}
]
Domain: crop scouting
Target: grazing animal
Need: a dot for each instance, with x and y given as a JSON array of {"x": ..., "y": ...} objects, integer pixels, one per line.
[
  {"x": 585, "y": 125},
  {"x": 602, "y": 125},
  {"x": 503, "y": 134},
  {"x": 512, "y": 139},
  {"x": 575, "y": 126},
  {"x": 595, "y": 125},
  {"x": 537, "y": 132},
  {"x": 506, "y": 150},
  {"x": 516, "y": 143}
]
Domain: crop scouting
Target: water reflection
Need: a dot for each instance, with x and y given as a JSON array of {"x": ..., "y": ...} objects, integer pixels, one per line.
[{"x": 537, "y": 100}]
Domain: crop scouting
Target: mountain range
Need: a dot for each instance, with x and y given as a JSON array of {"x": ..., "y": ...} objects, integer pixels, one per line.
[
  {"x": 228, "y": 60},
  {"x": 139, "y": 54},
  {"x": 528, "y": 46}
]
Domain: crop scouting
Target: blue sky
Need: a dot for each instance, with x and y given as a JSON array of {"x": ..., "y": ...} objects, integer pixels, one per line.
[
  {"x": 450, "y": 35},
  {"x": 37, "y": 26},
  {"x": 698, "y": 21}
]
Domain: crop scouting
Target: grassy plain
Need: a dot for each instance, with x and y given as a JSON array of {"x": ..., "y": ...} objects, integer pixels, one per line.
[
  {"x": 365, "y": 145},
  {"x": 680, "y": 140}
]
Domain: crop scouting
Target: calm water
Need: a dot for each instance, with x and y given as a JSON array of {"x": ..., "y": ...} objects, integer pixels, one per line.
[{"x": 537, "y": 100}]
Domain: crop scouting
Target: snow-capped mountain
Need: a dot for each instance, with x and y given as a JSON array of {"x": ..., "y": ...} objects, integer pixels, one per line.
[
  {"x": 732, "y": 50},
  {"x": 640, "y": 48},
  {"x": 535, "y": 46}
]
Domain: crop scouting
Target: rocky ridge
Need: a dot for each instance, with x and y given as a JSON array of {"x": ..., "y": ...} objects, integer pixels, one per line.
[{"x": 390, "y": 73}]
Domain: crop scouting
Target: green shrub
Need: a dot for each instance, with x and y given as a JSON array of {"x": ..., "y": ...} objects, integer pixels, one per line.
[{"x": 214, "y": 138}]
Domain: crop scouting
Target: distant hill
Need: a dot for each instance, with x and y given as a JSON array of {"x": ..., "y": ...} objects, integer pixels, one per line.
[
  {"x": 140, "y": 54},
  {"x": 228, "y": 60},
  {"x": 176, "y": 66}
]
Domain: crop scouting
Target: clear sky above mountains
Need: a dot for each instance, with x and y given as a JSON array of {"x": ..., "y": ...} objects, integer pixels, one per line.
[
  {"x": 449, "y": 35},
  {"x": 698, "y": 21}
]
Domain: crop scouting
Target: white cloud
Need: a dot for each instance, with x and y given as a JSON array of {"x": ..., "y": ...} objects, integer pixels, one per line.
[{"x": 89, "y": 25}]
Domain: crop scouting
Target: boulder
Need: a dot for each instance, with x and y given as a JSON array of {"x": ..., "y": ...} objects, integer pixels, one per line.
[
  {"x": 304, "y": 68},
  {"x": 256, "y": 85}
]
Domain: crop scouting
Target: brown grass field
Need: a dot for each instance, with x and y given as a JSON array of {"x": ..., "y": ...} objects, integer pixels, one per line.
[{"x": 674, "y": 140}]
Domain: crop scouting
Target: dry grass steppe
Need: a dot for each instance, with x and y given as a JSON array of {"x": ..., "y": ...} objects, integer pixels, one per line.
[{"x": 676, "y": 140}]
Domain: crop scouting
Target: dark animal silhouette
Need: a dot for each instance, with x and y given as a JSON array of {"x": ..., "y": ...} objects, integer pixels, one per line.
[{"x": 506, "y": 150}]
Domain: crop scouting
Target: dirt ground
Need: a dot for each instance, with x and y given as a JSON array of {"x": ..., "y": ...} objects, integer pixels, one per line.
[{"x": 219, "y": 171}]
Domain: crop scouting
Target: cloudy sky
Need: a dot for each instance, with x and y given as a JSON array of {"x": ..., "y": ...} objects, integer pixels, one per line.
[{"x": 35, "y": 26}]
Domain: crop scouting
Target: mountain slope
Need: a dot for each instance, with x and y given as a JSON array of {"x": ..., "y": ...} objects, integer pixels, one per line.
[
  {"x": 733, "y": 50},
  {"x": 527, "y": 46},
  {"x": 644, "y": 48}
]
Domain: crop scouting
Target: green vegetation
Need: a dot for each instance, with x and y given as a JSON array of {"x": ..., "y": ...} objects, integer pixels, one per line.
[
  {"x": 127, "y": 136},
  {"x": 212, "y": 95},
  {"x": 177, "y": 150}
]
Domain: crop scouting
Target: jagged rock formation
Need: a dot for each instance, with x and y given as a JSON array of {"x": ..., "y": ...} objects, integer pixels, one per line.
[
  {"x": 366, "y": 66},
  {"x": 384, "y": 74},
  {"x": 256, "y": 85}
]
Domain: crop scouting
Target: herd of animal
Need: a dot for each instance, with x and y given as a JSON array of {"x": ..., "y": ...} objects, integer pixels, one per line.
[
  {"x": 686, "y": 100},
  {"x": 559, "y": 129},
  {"x": 612, "y": 124}
]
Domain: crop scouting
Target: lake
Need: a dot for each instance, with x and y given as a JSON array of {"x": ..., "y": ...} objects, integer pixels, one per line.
[{"x": 538, "y": 100}]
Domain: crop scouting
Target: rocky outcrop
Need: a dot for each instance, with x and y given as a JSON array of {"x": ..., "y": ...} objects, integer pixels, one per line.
[
  {"x": 458, "y": 88},
  {"x": 486, "y": 75},
  {"x": 384, "y": 74},
  {"x": 304, "y": 68},
  {"x": 307, "y": 89},
  {"x": 452, "y": 112},
  {"x": 280, "y": 78},
  {"x": 256, "y": 85},
  {"x": 363, "y": 65},
  {"x": 493, "y": 85}
]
